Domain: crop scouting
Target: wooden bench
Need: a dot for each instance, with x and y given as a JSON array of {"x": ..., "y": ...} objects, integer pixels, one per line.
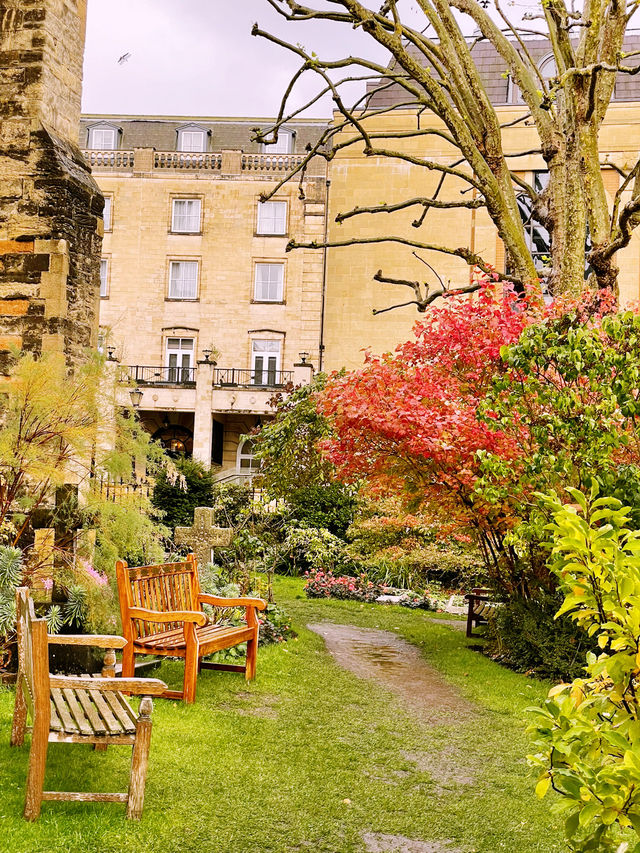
[
  {"x": 161, "y": 609},
  {"x": 76, "y": 709},
  {"x": 480, "y": 606}
]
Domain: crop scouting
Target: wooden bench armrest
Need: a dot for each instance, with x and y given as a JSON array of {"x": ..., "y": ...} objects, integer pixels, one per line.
[
  {"x": 168, "y": 616},
  {"x": 100, "y": 641},
  {"x": 138, "y": 686},
  {"x": 218, "y": 601}
]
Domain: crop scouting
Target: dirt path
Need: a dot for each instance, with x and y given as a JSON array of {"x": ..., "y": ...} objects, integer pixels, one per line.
[{"x": 397, "y": 665}]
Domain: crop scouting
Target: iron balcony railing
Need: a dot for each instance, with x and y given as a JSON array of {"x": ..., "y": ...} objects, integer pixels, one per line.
[
  {"x": 238, "y": 377},
  {"x": 145, "y": 375}
]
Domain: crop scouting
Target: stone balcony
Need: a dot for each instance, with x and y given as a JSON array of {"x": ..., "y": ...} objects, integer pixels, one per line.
[
  {"x": 231, "y": 389},
  {"x": 228, "y": 163}
]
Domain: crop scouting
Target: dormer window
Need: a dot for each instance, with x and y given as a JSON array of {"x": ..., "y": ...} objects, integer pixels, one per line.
[
  {"x": 283, "y": 145},
  {"x": 103, "y": 137},
  {"x": 192, "y": 139}
]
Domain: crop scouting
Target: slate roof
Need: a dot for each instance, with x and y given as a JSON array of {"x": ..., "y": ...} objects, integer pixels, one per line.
[
  {"x": 161, "y": 132},
  {"x": 492, "y": 73}
]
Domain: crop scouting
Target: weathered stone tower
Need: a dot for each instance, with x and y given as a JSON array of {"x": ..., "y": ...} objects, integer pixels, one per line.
[{"x": 50, "y": 206}]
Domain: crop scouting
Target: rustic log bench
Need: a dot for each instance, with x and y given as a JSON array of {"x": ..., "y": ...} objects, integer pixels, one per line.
[
  {"x": 162, "y": 614},
  {"x": 480, "y": 606},
  {"x": 76, "y": 709}
]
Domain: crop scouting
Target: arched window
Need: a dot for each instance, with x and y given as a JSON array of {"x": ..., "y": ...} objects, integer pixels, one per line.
[
  {"x": 177, "y": 440},
  {"x": 547, "y": 67},
  {"x": 247, "y": 463},
  {"x": 536, "y": 235}
]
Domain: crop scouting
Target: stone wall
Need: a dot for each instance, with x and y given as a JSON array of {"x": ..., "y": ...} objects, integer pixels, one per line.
[{"x": 50, "y": 206}]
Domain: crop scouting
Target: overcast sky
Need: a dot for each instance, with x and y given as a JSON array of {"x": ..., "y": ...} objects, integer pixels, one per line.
[{"x": 197, "y": 57}]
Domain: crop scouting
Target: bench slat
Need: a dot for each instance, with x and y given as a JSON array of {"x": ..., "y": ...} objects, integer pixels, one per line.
[
  {"x": 68, "y": 724},
  {"x": 105, "y": 712},
  {"x": 97, "y": 724}
]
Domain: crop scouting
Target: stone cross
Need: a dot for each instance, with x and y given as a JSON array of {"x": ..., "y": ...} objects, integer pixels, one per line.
[{"x": 203, "y": 535}]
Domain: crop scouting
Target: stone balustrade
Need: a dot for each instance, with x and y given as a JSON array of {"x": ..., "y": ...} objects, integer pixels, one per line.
[
  {"x": 109, "y": 159},
  {"x": 235, "y": 163},
  {"x": 271, "y": 162},
  {"x": 186, "y": 160}
]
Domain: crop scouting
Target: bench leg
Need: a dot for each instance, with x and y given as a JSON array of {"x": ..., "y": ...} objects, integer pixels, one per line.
[
  {"x": 140, "y": 760},
  {"x": 470, "y": 619},
  {"x": 128, "y": 661},
  {"x": 19, "y": 716},
  {"x": 37, "y": 764},
  {"x": 191, "y": 664},
  {"x": 252, "y": 659}
]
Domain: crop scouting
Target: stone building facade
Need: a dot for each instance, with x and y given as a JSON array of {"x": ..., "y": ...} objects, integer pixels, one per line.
[
  {"x": 200, "y": 303},
  {"x": 50, "y": 206},
  {"x": 358, "y": 180}
]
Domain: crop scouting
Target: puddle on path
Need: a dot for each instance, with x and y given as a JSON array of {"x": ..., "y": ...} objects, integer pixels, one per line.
[
  {"x": 380, "y": 843},
  {"x": 397, "y": 665}
]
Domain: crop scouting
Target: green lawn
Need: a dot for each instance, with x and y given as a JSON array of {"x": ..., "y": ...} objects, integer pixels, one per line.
[{"x": 267, "y": 767}]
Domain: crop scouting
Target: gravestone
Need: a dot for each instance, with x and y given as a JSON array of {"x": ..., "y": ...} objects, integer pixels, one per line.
[{"x": 203, "y": 535}]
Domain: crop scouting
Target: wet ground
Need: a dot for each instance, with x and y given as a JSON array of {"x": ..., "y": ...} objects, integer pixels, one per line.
[
  {"x": 397, "y": 665},
  {"x": 393, "y": 663},
  {"x": 379, "y": 843}
]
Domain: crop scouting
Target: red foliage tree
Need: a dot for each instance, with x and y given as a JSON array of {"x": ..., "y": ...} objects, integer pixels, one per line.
[{"x": 407, "y": 421}]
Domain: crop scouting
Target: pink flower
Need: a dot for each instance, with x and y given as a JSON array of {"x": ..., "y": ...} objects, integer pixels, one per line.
[
  {"x": 48, "y": 584},
  {"x": 101, "y": 580}
]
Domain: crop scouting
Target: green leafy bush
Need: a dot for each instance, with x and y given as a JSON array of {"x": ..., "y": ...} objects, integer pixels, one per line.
[
  {"x": 125, "y": 531},
  {"x": 177, "y": 498},
  {"x": 327, "y": 505},
  {"x": 231, "y": 503},
  {"x": 524, "y": 635},
  {"x": 307, "y": 548},
  {"x": 587, "y": 735}
]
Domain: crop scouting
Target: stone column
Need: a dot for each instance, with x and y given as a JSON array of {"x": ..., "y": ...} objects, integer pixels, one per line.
[
  {"x": 231, "y": 162},
  {"x": 143, "y": 160},
  {"x": 203, "y": 419},
  {"x": 302, "y": 373},
  {"x": 50, "y": 206}
]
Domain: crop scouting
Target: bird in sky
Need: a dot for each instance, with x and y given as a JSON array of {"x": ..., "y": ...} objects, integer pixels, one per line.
[{"x": 123, "y": 58}]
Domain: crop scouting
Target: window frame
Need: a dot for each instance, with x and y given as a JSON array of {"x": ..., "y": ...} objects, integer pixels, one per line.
[
  {"x": 172, "y": 261},
  {"x": 192, "y": 129},
  {"x": 284, "y": 134},
  {"x": 274, "y": 371},
  {"x": 99, "y": 128},
  {"x": 178, "y": 352},
  {"x": 251, "y": 469},
  {"x": 108, "y": 201},
  {"x": 106, "y": 281},
  {"x": 259, "y": 232},
  {"x": 172, "y": 214},
  {"x": 256, "y": 298}
]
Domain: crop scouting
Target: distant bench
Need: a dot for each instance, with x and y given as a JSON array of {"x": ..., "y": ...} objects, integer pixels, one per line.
[{"x": 480, "y": 607}]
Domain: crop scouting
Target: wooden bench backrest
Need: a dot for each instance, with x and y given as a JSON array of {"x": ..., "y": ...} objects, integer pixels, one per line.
[
  {"x": 33, "y": 654},
  {"x": 165, "y": 587}
]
